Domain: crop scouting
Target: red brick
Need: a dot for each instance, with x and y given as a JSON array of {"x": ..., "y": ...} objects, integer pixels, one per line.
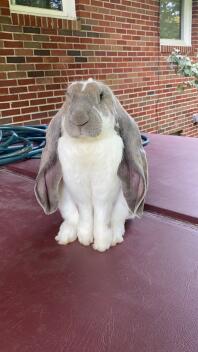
[
  {"x": 45, "y": 94},
  {"x": 2, "y": 60},
  {"x": 39, "y": 115},
  {"x": 8, "y": 83},
  {"x": 57, "y": 38},
  {"x": 62, "y": 52},
  {"x": 24, "y": 52},
  {"x": 21, "y": 118},
  {"x": 26, "y": 81},
  {"x": 3, "y": 91},
  {"x": 38, "y": 21},
  {"x": 10, "y": 112},
  {"x": 6, "y": 120},
  {"x": 30, "y": 109},
  {"x": 27, "y": 96},
  {"x": 3, "y": 75},
  {"x": 32, "y": 21},
  {"x": 4, "y": 35},
  {"x": 27, "y": 20},
  {"x": 25, "y": 67},
  {"x": 46, "y": 107},
  {"x": 36, "y": 88},
  {"x": 51, "y": 59},
  {"x": 45, "y": 80},
  {"x": 34, "y": 59},
  {"x": 17, "y": 104},
  {"x": 52, "y": 86},
  {"x": 46, "y": 120},
  {"x": 15, "y": 19},
  {"x": 5, "y": 3},
  {"x": 17, "y": 74},
  {"x": 18, "y": 89},
  {"x": 38, "y": 101},
  {"x": 4, "y": 106},
  {"x": 8, "y": 97},
  {"x": 49, "y": 45},
  {"x": 22, "y": 36},
  {"x": 48, "y": 31},
  {"x": 6, "y": 52},
  {"x": 21, "y": 19},
  {"x": 43, "y": 66},
  {"x": 13, "y": 44},
  {"x": 5, "y": 11}
]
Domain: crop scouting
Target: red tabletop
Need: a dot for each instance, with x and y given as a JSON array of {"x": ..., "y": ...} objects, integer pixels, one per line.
[
  {"x": 173, "y": 176},
  {"x": 140, "y": 296}
]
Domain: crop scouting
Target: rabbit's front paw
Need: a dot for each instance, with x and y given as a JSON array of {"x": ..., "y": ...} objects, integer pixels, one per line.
[
  {"x": 118, "y": 233},
  {"x": 103, "y": 241},
  {"x": 85, "y": 237},
  {"x": 67, "y": 233}
]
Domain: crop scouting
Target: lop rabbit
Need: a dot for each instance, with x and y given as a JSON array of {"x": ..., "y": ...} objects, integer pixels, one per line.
[{"x": 93, "y": 167}]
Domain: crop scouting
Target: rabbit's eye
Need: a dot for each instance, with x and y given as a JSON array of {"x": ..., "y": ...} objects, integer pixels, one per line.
[{"x": 101, "y": 96}]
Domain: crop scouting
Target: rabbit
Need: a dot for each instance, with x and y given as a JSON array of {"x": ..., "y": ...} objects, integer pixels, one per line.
[{"x": 93, "y": 167}]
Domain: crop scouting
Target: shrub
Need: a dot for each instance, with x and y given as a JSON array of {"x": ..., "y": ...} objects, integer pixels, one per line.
[{"x": 185, "y": 67}]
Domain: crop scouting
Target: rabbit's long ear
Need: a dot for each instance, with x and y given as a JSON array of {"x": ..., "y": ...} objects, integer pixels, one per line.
[
  {"x": 50, "y": 174},
  {"x": 133, "y": 170}
]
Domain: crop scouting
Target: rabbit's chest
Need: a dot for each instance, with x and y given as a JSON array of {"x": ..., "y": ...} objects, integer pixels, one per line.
[{"x": 86, "y": 163}]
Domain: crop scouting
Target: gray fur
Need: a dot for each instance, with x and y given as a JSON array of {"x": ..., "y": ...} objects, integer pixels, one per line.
[
  {"x": 81, "y": 118},
  {"x": 133, "y": 170},
  {"x": 50, "y": 174}
]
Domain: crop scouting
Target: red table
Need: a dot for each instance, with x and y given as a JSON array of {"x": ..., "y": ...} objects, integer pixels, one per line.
[{"x": 140, "y": 296}]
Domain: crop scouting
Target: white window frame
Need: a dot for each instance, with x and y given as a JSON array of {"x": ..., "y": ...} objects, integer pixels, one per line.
[
  {"x": 186, "y": 27},
  {"x": 68, "y": 12}
]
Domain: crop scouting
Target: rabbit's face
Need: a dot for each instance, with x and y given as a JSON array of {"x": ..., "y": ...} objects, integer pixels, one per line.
[{"x": 89, "y": 109}]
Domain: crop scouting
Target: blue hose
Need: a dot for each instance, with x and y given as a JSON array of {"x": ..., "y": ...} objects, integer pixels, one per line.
[
  {"x": 21, "y": 142},
  {"x": 145, "y": 140},
  {"x": 26, "y": 142}
]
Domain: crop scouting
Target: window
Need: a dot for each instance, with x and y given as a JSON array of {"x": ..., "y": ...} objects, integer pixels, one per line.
[
  {"x": 47, "y": 8},
  {"x": 175, "y": 22}
]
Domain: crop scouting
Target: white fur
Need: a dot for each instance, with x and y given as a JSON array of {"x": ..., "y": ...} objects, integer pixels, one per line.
[{"x": 92, "y": 202}]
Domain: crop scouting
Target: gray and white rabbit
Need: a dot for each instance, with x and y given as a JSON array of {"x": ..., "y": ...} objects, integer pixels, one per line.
[{"x": 93, "y": 167}]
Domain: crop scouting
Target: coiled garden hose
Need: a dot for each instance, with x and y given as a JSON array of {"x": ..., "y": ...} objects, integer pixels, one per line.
[
  {"x": 26, "y": 142},
  {"x": 145, "y": 140},
  {"x": 21, "y": 142}
]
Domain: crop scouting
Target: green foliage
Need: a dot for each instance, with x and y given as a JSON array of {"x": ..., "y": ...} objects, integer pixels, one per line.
[{"x": 185, "y": 67}]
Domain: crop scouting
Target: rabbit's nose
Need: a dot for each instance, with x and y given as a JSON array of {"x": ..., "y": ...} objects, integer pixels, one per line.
[{"x": 79, "y": 118}]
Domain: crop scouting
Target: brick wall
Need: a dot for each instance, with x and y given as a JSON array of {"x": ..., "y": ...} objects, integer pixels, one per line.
[{"x": 115, "y": 41}]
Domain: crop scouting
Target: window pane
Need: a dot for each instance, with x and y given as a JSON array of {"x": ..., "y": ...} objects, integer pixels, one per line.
[
  {"x": 45, "y": 4},
  {"x": 170, "y": 19}
]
